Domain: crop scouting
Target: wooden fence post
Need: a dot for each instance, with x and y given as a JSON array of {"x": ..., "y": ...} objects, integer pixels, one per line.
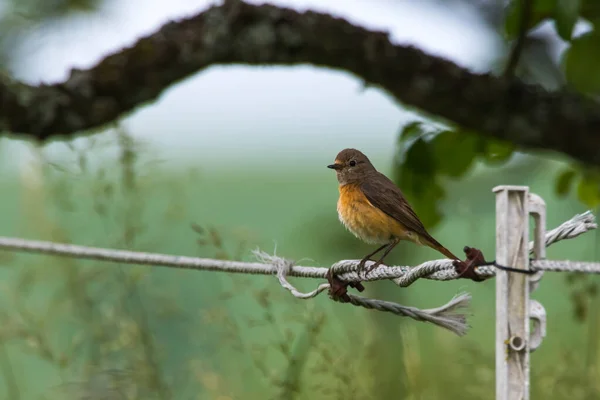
[{"x": 512, "y": 293}]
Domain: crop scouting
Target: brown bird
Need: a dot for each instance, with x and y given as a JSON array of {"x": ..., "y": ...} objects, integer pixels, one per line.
[{"x": 374, "y": 209}]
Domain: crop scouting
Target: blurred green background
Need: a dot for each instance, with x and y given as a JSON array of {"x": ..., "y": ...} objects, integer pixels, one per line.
[{"x": 89, "y": 330}]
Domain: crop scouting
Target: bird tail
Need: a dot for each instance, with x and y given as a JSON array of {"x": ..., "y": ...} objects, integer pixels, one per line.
[
  {"x": 434, "y": 244},
  {"x": 447, "y": 252}
]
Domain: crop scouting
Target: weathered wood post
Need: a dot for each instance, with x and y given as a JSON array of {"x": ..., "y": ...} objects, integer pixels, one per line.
[{"x": 513, "y": 339}]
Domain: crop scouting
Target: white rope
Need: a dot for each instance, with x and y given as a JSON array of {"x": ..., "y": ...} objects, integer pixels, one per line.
[
  {"x": 284, "y": 267},
  {"x": 444, "y": 270},
  {"x": 345, "y": 270},
  {"x": 580, "y": 223},
  {"x": 440, "y": 270},
  {"x": 446, "y": 316},
  {"x": 566, "y": 266},
  {"x": 154, "y": 259}
]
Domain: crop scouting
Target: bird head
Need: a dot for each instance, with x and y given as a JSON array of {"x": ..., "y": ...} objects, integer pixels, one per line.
[{"x": 351, "y": 166}]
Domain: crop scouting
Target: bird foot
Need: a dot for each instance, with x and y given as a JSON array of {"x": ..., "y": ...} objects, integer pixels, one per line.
[
  {"x": 361, "y": 264},
  {"x": 362, "y": 268},
  {"x": 373, "y": 266}
]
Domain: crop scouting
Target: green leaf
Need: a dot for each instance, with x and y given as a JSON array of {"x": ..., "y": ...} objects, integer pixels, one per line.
[
  {"x": 411, "y": 130},
  {"x": 566, "y": 14},
  {"x": 591, "y": 12},
  {"x": 542, "y": 9},
  {"x": 416, "y": 176},
  {"x": 497, "y": 152},
  {"x": 427, "y": 206},
  {"x": 423, "y": 194},
  {"x": 582, "y": 63},
  {"x": 420, "y": 158},
  {"x": 564, "y": 181},
  {"x": 454, "y": 152},
  {"x": 588, "y": 191}
]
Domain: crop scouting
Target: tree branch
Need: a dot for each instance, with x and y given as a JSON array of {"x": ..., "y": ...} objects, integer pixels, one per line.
[{"x": 240, "y": 33}]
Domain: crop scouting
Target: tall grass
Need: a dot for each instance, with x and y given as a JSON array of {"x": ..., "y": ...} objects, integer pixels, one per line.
[{"x": 87, "y": 330}]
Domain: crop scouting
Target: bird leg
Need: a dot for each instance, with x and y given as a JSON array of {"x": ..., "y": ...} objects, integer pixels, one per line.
[
  {"x": 390, "y": 247},
  {"x": 361, "y": 264}
]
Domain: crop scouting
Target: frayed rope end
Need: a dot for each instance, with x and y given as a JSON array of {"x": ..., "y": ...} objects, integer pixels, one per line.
[
  {"x": 281, "y": 264},
  {"x": 451, "y": 315}
]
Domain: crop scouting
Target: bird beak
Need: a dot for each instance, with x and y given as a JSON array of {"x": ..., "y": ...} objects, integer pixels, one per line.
[{"x": 337, "y": 167}]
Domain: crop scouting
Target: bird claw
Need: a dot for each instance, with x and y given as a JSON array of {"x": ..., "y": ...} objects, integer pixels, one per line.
[
  {"x": 366, "y": 270},
  {"x": 361, "y": 264},
  {"x": 372, "y": 267}
]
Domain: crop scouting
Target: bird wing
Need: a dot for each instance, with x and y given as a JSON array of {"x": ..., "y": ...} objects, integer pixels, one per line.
[{"x": 385, "y": 195}]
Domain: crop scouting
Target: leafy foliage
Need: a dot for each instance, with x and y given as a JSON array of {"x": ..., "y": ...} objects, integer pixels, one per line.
[
  {"x": 582, "y": 63},
  {"x": 581, "y": 66},
  {"x": 542, "y": 9},
  {"x": 583, "y": 180},
  {"x": 581, "y": 60},
  {"x": 588, "y": 189},
  {"x": 563, "y": 13},
  {"x": 427, "y": 156},
  {"x": 564, "y": 181}
]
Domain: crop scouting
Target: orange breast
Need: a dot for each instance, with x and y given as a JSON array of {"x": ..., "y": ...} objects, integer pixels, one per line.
[{"x": 366, "y": 221}]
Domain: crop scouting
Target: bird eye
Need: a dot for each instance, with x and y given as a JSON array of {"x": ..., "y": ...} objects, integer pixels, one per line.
[{"x": 352, "y": 163}]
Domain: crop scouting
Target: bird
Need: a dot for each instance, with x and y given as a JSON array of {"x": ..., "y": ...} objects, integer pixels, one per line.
[{"x": 374, "y": 209}]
